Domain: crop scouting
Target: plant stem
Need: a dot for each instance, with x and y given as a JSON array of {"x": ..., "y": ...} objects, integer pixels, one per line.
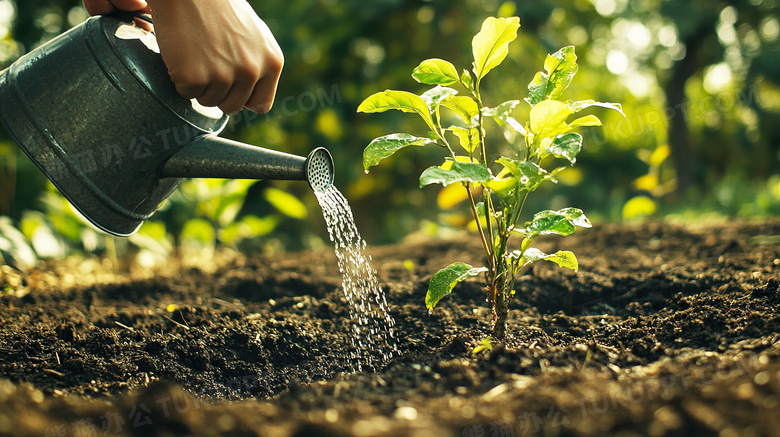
[
  {"x": 516, "y": 215},
  {"x": 502, "y": 288},
  {"x": 485, "y": 244},
  {"x": 500, "y": 304},
  {"x": 440, "y": 133},
  {"x": 488, "y": 201}
]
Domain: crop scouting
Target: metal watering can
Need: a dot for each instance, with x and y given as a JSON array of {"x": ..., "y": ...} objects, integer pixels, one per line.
[{"x": 97, "y": 112}]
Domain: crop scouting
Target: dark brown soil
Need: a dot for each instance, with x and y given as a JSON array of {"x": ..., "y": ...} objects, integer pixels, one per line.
[{"x": 665, "y": 330}]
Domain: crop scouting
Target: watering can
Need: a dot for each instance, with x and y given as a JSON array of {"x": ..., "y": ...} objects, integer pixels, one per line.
[{"x": 96, "y": 111}]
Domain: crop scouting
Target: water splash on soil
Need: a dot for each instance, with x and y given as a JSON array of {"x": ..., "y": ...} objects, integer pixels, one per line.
[{"x": 372, "y": 325}]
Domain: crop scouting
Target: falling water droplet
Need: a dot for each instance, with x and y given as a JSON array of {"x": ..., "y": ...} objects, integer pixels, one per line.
[{"x": 359, "y": 282}]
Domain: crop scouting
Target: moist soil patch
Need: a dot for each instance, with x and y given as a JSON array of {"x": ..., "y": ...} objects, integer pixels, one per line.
[{"x": 665, "y": 330}]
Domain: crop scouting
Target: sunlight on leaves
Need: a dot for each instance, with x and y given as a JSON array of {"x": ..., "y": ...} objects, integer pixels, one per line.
[
  {"x": 560, "y": 68},
  {"x": 529, "y": 174},
  {"x": 399, "y": 100},
  {"x": 451, "y": 195},
  {"x": 469, "y": 138},
  {"x": 588, "y": 120},
  {"x": 582, "y": 104},
  {"x": 436, "y": 72},
  {"x": 548, "y": 118},
  {"x": 563, "y": 258},
  {"x": 563, "y": 222},
  {"x": 458, "y": 172},
  {"x": 566, "y": 146},
  {"x": 435, "y": 95},
  {"x": 491, "y": 45},
  {"x": 465, "y": 107}
]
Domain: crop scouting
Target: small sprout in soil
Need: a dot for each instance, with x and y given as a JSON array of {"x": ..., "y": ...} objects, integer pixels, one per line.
[
  {"x": 483, "y": 345},
  {"x": 497, "y": 190}
]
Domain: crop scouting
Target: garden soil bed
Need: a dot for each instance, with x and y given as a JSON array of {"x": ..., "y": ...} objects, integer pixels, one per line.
[{"x": 665, "y": 330}]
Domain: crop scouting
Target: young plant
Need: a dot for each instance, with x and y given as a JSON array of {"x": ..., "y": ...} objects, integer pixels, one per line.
[{"x": 497, "y": 191}]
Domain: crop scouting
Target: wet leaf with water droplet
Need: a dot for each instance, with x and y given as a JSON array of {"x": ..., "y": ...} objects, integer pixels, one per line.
[
  {"x": 563, "y": 222},
  {"x": 458, "y": 172}
]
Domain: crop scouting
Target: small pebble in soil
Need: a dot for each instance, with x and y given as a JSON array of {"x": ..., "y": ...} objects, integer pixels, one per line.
[{"x": 405, "y": 413}]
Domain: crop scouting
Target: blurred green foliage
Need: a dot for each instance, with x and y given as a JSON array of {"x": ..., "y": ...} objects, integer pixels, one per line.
[{"x": 699, "y": 81}]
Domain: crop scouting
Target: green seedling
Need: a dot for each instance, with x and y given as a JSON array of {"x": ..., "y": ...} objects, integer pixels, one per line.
[
  {"x": 497, "y": 191},
  {"x": 483, "y": 345}
]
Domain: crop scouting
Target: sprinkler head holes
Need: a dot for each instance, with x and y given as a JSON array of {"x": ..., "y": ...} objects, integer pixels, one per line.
[{"x": 319, "y": 169}]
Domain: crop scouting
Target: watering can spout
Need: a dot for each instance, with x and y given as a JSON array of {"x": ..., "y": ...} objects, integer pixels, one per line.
[
  {"x": 210, "y": 156},
  {"x": 97, "y": 112}
]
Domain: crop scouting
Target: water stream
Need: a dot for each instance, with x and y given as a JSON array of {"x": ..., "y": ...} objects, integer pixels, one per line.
[{"x": 372, "y": 335}]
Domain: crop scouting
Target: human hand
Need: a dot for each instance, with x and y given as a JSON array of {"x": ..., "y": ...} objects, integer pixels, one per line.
[
  {"x": 216, "y": 51},
  {"x": 103, "y": 7}
]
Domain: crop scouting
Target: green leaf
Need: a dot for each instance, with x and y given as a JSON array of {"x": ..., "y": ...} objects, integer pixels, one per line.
[
  {"x": 198, "y": 229},
  {"x": 537, "y": 89},
  {"x": 563, "y": 258},
  {"x": 259, "y": 226},
  {"x": 491, "y": 45},
  {"x": 465, "y": 107},
  {"x": 514, "y": 124},
  {"x": 501, "y": 112},
  {"x": 400, "y": 100},
  {"x": 588, "y": 120},
  {"x": 502, "y": 115},
  {"x": 563, "y": 222},
  {"x": 285, "y": 203},
  {"x": 483, "y": 345},
  {"x": 248, "y": 227},
  {"x": 446, "y": 279},
  {"x": 228, "y": 207},
  {"x": 435, "y": 95},
  {"x": 469, "y": 138},
  {"x": 529, "y": 174},
  {"x": 567, "y": 146},
  {"x": 435, "y": 72},
  {"x": 459, "y": 172},
  {"x": 577, "y": 217},
  {"x": 503, "y": 187},
  {"x": 467, "y": 80},
  {"x": 582, "y": 104},
  {"x": 560, "y": 68},
  {"x": 386, "y": 146},
  {"x": 548, "y": 118}
]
